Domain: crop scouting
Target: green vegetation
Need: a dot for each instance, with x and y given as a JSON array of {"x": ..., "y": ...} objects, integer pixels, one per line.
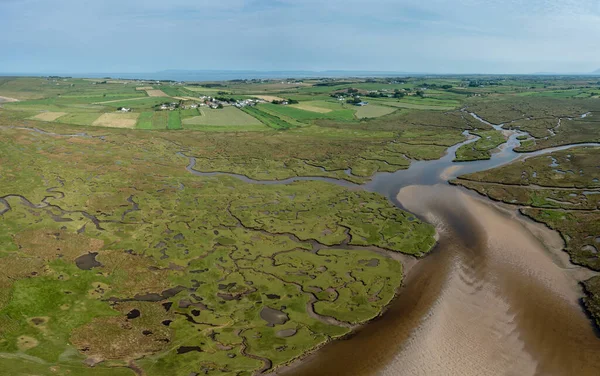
[
  {"x": 198, "y": 270},
  {"x": 114, "y": 256},
  {"x": 220, "y": 117},
  {"x": 174, "y": 121},
  {"x": 481, "y": 148},
  {"x": 79, "y": 118},
  {"x": 373, "y": 111},
  {"x": 304, "y": 116},
  {"x": 267, "y": 119},
  {"x": 145, "y": 120}
]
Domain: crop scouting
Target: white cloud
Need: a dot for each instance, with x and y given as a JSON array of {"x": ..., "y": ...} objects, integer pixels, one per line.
[{"x": 437, "y": 35}]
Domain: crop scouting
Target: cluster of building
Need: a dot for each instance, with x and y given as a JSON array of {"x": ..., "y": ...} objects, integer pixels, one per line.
[
  {"x": 210, "y": 102},
  {"x": 169, "y": 106},
  {"x": 248, "y": 102}
]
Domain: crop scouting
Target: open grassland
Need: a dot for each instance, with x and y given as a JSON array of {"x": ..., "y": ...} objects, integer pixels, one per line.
[
  {"x": 312, "y": 106},
  {"x": 372, "y": 111},
  {"x": 268, "y": 119},
  {"x": 156, "y": 93},
  {"x": 28, "y": 88},
  {"x": 79, "y": 118},
  {"x": 421, "y": 104},
  {"x": 206, "y": 90},
  {"x": 142, "y": 104},
  {"x": 221, "y": 117},
  {"x": 121, "y": 264},
  {"x": 121, "y": 100},
  {"x": 160, "y": 120},
  {"x": 416, "y": 106},
  {"x": 49, "y": 116},
  {"x": 117, "y": 120},
  {"x": 342, "y": 114},
  {"x": 174, "y": 121},
  {"x": 269, "y": 98},
  {"x": 145, "y": 120}
]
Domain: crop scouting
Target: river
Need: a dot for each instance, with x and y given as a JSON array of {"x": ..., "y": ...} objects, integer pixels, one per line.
[{"x": 497, "y": 295}]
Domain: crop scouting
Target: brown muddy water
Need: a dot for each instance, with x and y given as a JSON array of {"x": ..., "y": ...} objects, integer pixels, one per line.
[
  {"x": 497, "y": 296},
  {"x": 491, "y": 299}
]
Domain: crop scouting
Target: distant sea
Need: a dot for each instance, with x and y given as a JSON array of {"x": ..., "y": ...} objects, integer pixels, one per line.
[{"x": 216, "y": 75}]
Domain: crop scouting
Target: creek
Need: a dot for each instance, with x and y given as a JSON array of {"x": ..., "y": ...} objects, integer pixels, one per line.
[{"x": 497, "y": 295}]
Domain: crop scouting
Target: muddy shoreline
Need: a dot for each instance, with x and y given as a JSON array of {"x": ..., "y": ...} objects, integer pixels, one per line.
[
  {"x": 452, "y": 259},
  {"x": 316, "y": 362}
]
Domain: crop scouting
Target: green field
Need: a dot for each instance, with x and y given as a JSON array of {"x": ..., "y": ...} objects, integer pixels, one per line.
[
  {"x": 220, "y": 117},
  {"x": 416, "y": 106},
  {"x": 79, "y": 118},
  {"x": 306, "y": 116},
  {"x": 117, "y": 257},
  {"x": 174, "y": 121},
  {"x": 145, "y": 120},
  {"x": 372, "y": 111}
]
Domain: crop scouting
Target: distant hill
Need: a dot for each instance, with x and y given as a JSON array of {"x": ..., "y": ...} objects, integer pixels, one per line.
[{"x": 597, "y": 71}]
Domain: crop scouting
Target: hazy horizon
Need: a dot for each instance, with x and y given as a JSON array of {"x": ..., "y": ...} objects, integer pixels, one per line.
[
  {"x": 228, "y": 75},
  {"x": 434, "y": 37}
]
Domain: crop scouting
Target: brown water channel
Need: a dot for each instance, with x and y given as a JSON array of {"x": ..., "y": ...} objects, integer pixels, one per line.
[{"x": 497, "y": 296}]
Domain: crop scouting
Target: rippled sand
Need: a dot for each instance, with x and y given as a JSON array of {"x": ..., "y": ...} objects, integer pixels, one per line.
[{"x": 492, "y": 299}]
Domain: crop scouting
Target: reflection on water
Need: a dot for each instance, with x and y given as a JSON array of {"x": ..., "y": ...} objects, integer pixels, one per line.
[{"x": 489, "y": 300}]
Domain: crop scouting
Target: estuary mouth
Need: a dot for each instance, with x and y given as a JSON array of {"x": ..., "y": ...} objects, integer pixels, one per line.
[{"x": 490, "y": 299}]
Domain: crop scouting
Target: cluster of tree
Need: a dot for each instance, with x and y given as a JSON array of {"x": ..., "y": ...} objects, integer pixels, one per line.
[
  {"x": 435, "y": 86},
  {"x": 288, "y": 101},
  {"x": 396, "y": 79},
  {"x": 225, "y": 99},
  {"x": 329, "y": 83},
  {"x": 377, "y": 95},
  {"x": 477, "y": 83},
  {"x": 421, "y": 93},
  {"x": 354, "y": 100},
  {"x": 209, "y": 85}
]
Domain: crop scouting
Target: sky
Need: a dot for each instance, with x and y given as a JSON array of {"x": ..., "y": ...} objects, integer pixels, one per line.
[{"x": 426, "y": 36}]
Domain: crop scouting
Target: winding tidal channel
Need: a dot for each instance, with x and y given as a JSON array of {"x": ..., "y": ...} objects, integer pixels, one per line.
[{"x": 497, "y": 295}]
